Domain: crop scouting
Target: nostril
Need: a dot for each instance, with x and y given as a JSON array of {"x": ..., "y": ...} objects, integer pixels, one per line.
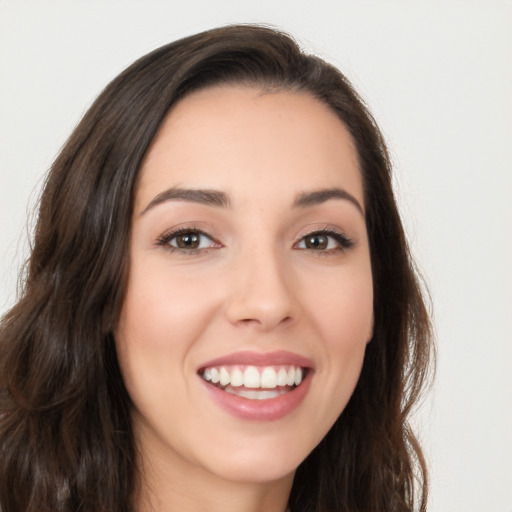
[{"x": 265, "y": 322}]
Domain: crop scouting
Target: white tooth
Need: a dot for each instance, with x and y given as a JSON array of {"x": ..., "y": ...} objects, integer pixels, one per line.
[
  {"x": 252, "y": 394},
  {"x": 298, "y": 376},
  {"x": 224, "y": 376},
  {"x": 252, "y": 377},
  {"x": 264, "y": 395},
  {"x": 268, "y": 378},
  {"x": 214, "y": 375},
  {"x": 290, "y": 377},
  {"x": 281, "y": 377},
  {"x": 206, "y": 374},
  {"x": 237, "y": 378}
]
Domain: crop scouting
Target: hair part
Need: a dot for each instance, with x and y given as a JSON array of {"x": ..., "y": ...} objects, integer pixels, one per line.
[{"x": 66, "y": 440}]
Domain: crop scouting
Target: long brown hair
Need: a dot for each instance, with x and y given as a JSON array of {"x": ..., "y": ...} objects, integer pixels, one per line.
[{"x": 66, "y": 440}]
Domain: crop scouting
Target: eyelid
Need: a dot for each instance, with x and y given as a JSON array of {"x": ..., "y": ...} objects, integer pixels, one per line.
[
  {"x": 164, "y": 239},
  {"x": 344, "y": 242}
]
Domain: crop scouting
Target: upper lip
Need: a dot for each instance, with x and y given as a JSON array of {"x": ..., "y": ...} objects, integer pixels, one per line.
[{"x": 280, "y": 357}]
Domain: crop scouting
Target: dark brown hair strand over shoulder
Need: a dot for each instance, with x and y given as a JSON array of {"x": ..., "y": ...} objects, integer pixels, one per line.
[{"x": 66, "y": 441}]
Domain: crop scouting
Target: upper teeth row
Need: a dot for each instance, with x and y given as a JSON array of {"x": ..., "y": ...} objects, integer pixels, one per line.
[{"x": 253, "y": 377}]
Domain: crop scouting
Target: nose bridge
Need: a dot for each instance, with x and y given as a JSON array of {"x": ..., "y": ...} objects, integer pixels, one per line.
[{"x": 262, "y": 288}]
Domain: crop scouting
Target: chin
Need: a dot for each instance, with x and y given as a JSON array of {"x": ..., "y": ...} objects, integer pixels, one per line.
[
  {"x": 256, "y": 472},
  {"x": 256, "y": 463}
]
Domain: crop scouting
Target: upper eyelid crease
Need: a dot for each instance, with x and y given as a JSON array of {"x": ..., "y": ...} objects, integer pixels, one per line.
[
  {"x": 181, "y": 231},
  {"x": 343, "y": 240},
  {"x": 165, "y": 239}
]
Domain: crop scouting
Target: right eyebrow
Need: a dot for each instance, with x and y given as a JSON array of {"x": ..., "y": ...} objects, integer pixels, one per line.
[{"x": 192, "y": 195}]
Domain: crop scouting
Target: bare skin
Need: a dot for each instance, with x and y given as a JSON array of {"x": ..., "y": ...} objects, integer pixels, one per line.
[{"x": 270, "y": 257}]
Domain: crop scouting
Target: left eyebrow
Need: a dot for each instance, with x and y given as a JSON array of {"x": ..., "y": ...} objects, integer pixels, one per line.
[{"x": 321, "y": 196}]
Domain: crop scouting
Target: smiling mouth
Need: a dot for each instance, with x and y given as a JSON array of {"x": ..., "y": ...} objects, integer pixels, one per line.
[{"x": 255, "y": 382}]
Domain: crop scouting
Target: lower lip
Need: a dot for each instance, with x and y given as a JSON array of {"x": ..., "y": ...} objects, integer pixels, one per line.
[{"x": 271, "y": 409}]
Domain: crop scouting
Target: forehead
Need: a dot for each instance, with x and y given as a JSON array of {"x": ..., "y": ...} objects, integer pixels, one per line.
[{"x": 242, "y": 138}]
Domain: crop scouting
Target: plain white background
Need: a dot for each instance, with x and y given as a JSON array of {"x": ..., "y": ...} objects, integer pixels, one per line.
[{"x": 438, "y": 77}]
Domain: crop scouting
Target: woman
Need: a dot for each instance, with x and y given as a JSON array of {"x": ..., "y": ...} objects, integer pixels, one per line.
[{"x": 219, "y": 309}]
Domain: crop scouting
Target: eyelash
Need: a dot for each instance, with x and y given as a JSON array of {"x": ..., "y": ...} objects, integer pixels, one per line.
[
  {"x": 166, "y": 239},
  {"x": 343, "y": 242}
]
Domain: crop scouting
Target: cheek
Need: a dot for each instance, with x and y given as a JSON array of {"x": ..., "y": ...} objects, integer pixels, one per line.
[
  {"x": 160, "y": 321},
  {"x": 343, "y": 309},
  {"x": 165, "y": 311},
  {"x": 343, "y": 315}
]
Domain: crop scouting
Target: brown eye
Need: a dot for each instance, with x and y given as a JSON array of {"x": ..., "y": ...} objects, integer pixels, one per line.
[
  {"x": 327, "y": 241},
  {"x": 317, "y": 241},
  {"x": 187, "y": 241}
]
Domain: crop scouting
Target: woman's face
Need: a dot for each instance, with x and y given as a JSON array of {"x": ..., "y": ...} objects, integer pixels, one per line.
[{"x": 249, "y": 274}]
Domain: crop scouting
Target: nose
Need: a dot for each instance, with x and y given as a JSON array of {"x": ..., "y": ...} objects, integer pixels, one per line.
[{"x": 262, "y": 291}]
